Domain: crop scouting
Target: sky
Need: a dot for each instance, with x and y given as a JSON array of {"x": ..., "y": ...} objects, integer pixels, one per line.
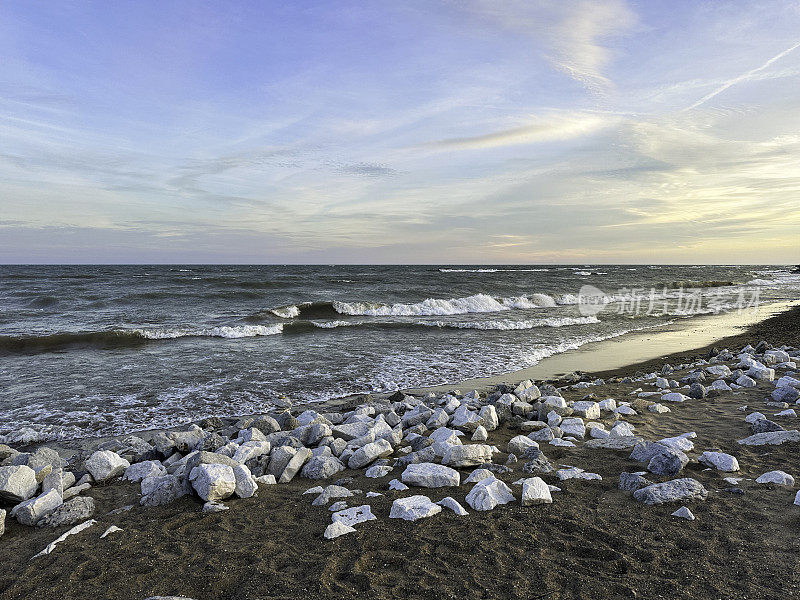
[{"x": 422, "y": 131}]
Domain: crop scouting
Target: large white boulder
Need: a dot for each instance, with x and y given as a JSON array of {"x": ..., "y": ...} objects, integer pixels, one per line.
[
  {"x": 294, "y": 465},
  {"x": 468, "y": 455},
  {"x": 105, "y": 464},
  {"x": 30, "y": 511},
  {"x": 17, "y": 483},
  {"x": 246, "y": 485},
  {"x": 778, "y": 477},
  {"x": 721, "y": 461},
  {"x": 573, "y": 426},
  {"x": 413, "y": 508},
  {"x": 489, "y": 493},
  {"x": 148, "y": 468},
  {"x": 518, "y": 444},
  {"x": 430, "y": 475},
  {"x": 535, "y": 491},
  {"x": 213, "y": 482},
  {"x": 368, "y": 453},
  {"x": 586, "y": 409}
]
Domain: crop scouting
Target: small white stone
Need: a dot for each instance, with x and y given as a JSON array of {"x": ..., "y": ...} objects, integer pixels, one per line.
[
  {"x": 397, "y": 485},
  {"x": 478, "y": 475},
  {"x": 355, "y": 515},
  {"x": 110, "y": 530},
  {"x": 778, "y": 477},
  {"x": 413, "y": 508},
  {"x": 684, "y": 513},
  {"x": 721, "y": 461},
  {"x": 453, "y": 505},
  {"x": 336, "y": 529}
]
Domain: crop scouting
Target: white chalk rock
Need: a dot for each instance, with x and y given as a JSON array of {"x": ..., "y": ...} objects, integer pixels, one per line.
[
  {"x": 576, "y": 473},
  {"x": 481, "y": 435},
  {"x": 489, "y": 493},
  {"x": 30, "y": 511},
  {"x": 467, "y": 455},
  {"x": 397, "y": 486},
  {"x": 586, "y": 409},
  {"x": 453, "y": 505},
  {"x": 413, "y": 508},
  {"x": 535, "y": 491},
  {"x": 17, "y": 483},
  {"x": 745, "y": 381},
  {"x": 336, "y": 529},
  {"x": 109, "y": 531},
  {"x": 684, "y": 513},
  {"x": 430, "y": 475},
  {"x": 246, "y": 485},
  {"x": 105, "y": 464},
  {"x": 778, "y": 477},
  {"x": 77, "y": 529},
  {"x": 378, "y": 471},
  {"x": 574, "y": 426},
  {"x": 354, "y": 515},
  {"x": 674, "y": 397},
  {"x": 213, "y": 482},
  {"x": 139, "y": 471},
  {"x": 478, "y": 475},
  {"x": 368, "y": 453},
  {"x": 772, "y": 438},
  {"x": 518, "y": 444},
  {"x": 608, "y": 405}
]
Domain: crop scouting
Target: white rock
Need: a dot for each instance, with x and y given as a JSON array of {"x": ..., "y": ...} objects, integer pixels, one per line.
[
  {"x": 684, "y": 513},
  {"x": 721, "y": 461},
  {"x": 745, "y": 381},
  {"x": 398, "y": 486},
  {"x": 489, "y": 493},
  {"x": 772, "y": 438},
  {"x": 246, "y": 485},
  {"x": 488, "y": 415},
  {"x": 77, "y": 529},
  {"x": 481, "y": 435},
  {"x": 759, "y": 371},
  {"x": 622, "y": 429},
  {"x": 430, "y": 475},
  {"x": 786, "y": 413},
  {"x": 468, "y": 455},
  {"x": 17, "y": 483},
  {"x": 718, "y": 370},
  {"x": 679, "y": 442},
  {"x": 478, "y": 475},
  {"x": 30, "y": 511},
  {"x": 413, "y": 508},
  {"x": 778, "y": 477},
  {"x": 608, "y": 405},
  {"x": 535, "y": 491},
  {"x": 797, "y": 498},
  {"x": 674, "y": 397},
  {"x": 518, "y": 444},
  {"x": 576, "y": 473},
  {"x": 368, "y": 453},
  {"x": 295, "y": 464},
  {"x": 624, "y": 409},
  {"x": 560, "y": 442},
  {"x": 104, "y": 465},
  {"x": 574, "y": 426},
  {"x": 213, "y": 482},
  {"x": 378, "y": 471},
  {"x": 354, "y": 515},
  {"x": 732, "y": 480},
  {"x": 268, "y": 479},
  {"x": 597, "y": 431},
  {"x": 336, "y": 529},
  {"x": 109, "y": 531},
  {"x": 586, "y": 409},
  {"x": 453, "y": 505},
  {"x": 721, "y": 385},
  {"x": 787, "y": 381},
  {"x": 658, "y": 408},
  {"x": 143, "y": 470},
  {"x": 373, "y": 494},
  {"x": 754, "y": 416}
]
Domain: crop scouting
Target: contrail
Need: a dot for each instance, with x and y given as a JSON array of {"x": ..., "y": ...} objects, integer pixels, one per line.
[{"x": 742, "y": 77}]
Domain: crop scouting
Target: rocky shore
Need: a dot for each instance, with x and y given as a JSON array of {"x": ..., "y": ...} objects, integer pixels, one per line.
[{"x": 524, "y": 474}]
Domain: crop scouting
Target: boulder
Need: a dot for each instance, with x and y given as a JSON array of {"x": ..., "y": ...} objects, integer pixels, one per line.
[
  {"x": 488, "y": 415},
  {"x": 142, "y": 470},
  {"x": 378, "y": 471},
  {"x": 777, "y": 477},
  {"x": 614, "y": 443},
  {"x": 213, "y": 482},
  {"x": 246, "y": 485},
  {"x": 772, "y": 438},
  {"x": 785, "y": 394},
  {"x": 70, "y": 512},
  {"x": 278, "y": 460},
  {"x": 468, "y": 455},
  {"x": 413, "y": 508},
  {"x": 538, "y": 463},
  {"x": 430, "y": 475},
  {"x": 630, "y": 482},
  {"x": 105, "y": 465},
  {"x": 667, "y": 462},
  {"x": 250, "y": 450},
  {"x": 489, "y": 493},
  {"x": 336, "y": 529},
  {"x": 17, "y": 483},
  {"x": 684, "y": 513},
  {"x": 294, "y": 465},
  {"x": 535, "y": 491},
  {"x": 518, "y": 444},
  {"x": 452, "y": 504},
  {"x": 480, "y": 434},
  {"x": 671, "y": 491},
  {"x": 322, "y": 467},
  {"x": 576, "y": 473},
  {"x": 354, "y": 516},
  {"x": 30, "y": 511},
  {"x": 720, "y": 460},
  {"x": 161, "y": 490},
  {"x": 573, "y": 426},
  {"x": 331, "y": 492},
  {"x": 368, "y": 453},
  {"x": 587, "y": 409}
]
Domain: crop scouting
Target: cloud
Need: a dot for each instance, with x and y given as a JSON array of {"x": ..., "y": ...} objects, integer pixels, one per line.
[
  {"x": 556, "y": 126},
  {"x": 751, "y": 74},
  {"x": 573, "y": 34}
]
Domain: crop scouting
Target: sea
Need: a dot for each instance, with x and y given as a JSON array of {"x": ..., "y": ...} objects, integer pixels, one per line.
[{"x": 106, "y": 350}]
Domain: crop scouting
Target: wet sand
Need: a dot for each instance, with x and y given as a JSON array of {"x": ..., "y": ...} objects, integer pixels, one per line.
[{"x": 594, "y": 541}]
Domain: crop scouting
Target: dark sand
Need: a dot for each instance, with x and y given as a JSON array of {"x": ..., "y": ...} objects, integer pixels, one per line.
[{"x": 594, "y": 541}]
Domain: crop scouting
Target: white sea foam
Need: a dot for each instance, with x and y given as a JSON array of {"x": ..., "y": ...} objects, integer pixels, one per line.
[
  {"x": 493, "y": 270},
  {"x": 286, "y": 312},
  {"x": 509, "y": 325},
  {"x": 479, "y": 303},
  {"x": 238, "y": 331}
]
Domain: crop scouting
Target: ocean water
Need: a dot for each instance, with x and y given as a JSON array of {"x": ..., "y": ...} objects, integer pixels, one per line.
[{"x": 102, "y": 350}]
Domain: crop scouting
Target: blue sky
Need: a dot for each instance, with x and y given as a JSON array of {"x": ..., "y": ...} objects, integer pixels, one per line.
[{"x": 469, "y": 131}]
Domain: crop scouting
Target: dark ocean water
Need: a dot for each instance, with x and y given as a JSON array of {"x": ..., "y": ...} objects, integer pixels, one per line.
[{"x": 97, "y": 350}]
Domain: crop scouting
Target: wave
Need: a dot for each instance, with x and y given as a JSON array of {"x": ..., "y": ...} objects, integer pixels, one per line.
[
  {"x": 479, "y": 303},
  {"x": 493, "y": 270},
  {"x": 697, "y": 284},
  {"x": 506, "y": 325},
  {"x": 225, "y": 331}
]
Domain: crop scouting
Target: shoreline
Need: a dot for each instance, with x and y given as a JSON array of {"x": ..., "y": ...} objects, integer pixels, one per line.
[{"x": 712, "y": 330}]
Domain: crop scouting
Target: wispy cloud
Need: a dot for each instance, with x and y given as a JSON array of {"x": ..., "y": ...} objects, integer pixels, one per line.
[{"x": 751, "y": 74}]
